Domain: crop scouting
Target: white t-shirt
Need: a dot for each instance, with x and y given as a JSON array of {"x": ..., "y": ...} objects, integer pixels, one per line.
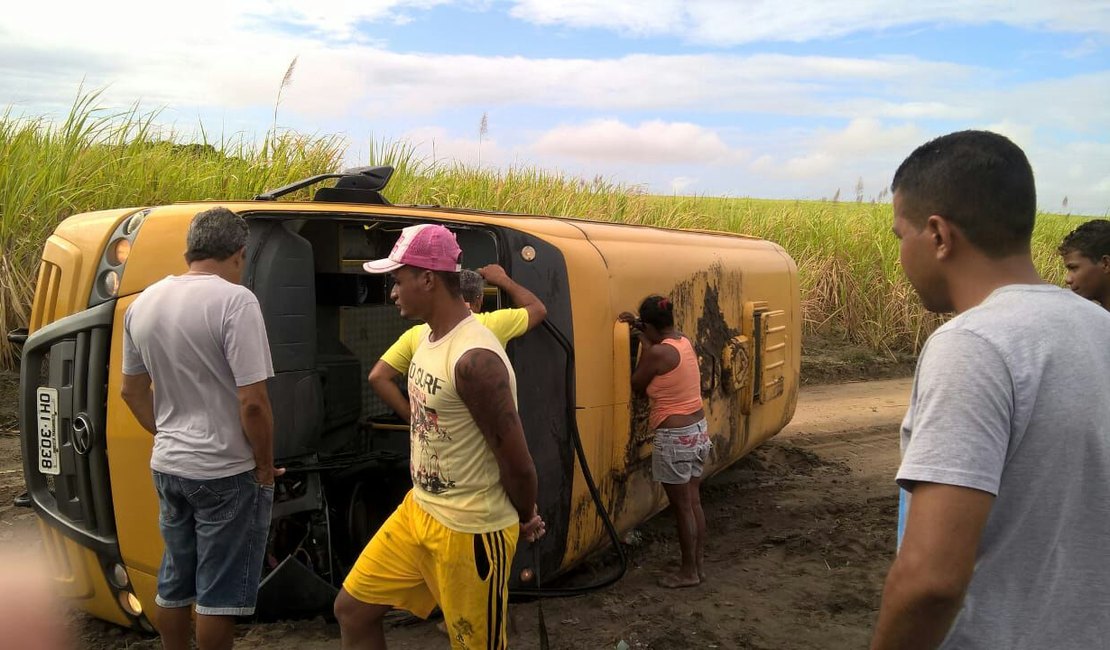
[
  {"x": 1012, "y": 398},
  {"x": 199, "y": 337}
]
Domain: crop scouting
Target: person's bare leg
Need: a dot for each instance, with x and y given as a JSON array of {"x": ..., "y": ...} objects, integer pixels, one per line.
[
  {"x": 175, "y": 626},
  {"x": 215, "y": 632},
  {"x": 687, "y": 575},
  {"x": 360, "y": 624},
  {"x": 699, "y": 518}
]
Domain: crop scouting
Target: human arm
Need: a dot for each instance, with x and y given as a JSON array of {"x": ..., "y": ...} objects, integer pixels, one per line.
[
  {"x": 654, "y": 359},
  {"x": 927, "y": 582},
  {"x": 137, "y": 387},
  {"x": 482, "y": 382},
  {"x": 138, "y": 393},
  {"x": 393, "y": 362},
  {"x": 958, "y": 429},
  {"x": 248, "y": 355},
  {"x": 382, "y": 377},
  {"x": 520, "y": 297},
  {"x": 257, "y": 419}
]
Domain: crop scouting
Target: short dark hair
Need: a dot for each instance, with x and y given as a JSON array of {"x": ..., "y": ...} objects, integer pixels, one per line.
[
  {"x": 215, "y": 234},
  {"x": 657, "y": 311},
  {"x": 1092, "y": 240},
  {"x": 978, "y": 180},
  {"x": 451, "y": 281}
]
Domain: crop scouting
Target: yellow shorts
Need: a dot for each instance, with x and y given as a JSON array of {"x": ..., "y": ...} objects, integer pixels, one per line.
[{"x": 414, "y": 563}]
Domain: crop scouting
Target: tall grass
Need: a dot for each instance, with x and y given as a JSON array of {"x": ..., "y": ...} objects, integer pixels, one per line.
[
  {"x": 852, "y": 286},
  {"x": 96, "y": 159}
]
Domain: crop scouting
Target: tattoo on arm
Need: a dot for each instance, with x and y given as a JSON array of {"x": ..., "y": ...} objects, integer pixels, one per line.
[{"x": 482, "y": 381}]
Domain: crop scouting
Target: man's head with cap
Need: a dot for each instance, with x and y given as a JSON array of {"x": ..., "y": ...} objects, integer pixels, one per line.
[
  {"x": 426, "y": 246},
  {"x": 425, "y": 261}
]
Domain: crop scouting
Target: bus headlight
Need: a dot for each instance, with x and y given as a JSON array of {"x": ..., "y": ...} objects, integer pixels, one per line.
[
  {"x": 134, "y": 222},
  {"x": 108, "y": 284},
  {"x": 113, "y": 259},
  {"x": 119, "y": 251},
  {"x": 118, "y": 577}
]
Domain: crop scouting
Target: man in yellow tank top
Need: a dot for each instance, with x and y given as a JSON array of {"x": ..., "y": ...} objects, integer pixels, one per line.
[
  {"x": 506, "y": 324},
  {"x": 451, "y": 541}
]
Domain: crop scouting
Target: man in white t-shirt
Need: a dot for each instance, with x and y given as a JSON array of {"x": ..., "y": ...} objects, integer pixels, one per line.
[
  {"x": 1006, "y": 443},
  {"x": 195, "y": 364}
]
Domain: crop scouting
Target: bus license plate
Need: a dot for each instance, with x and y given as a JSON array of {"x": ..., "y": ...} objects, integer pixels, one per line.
[{"x": 46, "y": 407}]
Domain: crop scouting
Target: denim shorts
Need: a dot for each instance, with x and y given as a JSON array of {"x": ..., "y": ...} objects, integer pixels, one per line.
[
  {"x": 215, "y": 532},
  {"x": 679, "y": 454}
]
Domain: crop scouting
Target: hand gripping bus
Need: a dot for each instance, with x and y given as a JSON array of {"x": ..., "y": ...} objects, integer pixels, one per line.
[{"x": 86, "y": 460}]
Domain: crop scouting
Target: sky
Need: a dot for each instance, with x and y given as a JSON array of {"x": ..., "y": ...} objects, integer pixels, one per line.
[{"x": 800, "y": 99}]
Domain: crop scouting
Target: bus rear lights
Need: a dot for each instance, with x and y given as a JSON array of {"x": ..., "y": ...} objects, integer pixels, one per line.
[{"x": 130, "y": 603}]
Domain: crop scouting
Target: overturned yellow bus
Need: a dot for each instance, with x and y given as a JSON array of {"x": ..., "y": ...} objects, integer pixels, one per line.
[{"x": 86, "y": 460}]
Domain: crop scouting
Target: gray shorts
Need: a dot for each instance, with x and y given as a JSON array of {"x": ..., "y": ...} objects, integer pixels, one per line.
[{"x": 680, "y": 453}]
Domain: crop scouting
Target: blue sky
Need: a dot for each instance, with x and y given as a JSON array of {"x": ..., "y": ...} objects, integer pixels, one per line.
[{"x": 766, "y": 98}]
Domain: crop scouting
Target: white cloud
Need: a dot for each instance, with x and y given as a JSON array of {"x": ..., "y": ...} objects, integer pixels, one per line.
[
  {"x": 436, "y": 145},
  {"x": 732, "y": 22},
  {"x": 227, "y": 59},
  {"x": 650, "y": 143},
  {"x": 680, "y": 184},
  {"x": 642, "y": 17},
  {"x": 1079, "y": 103},
  {"x": 867, "y": 135},
  {"x": 340, "y": 18},
  {"x": 816, "y": 164},
  {"x": 1077, "y": 170},
  {"x": 209, "y": 53},
  {"x": 848, "y": 152},
  {"x": 1023, "y": 135}
]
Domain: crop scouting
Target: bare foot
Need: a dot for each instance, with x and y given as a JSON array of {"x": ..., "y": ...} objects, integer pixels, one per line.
[{"x": 678, "y": 581}]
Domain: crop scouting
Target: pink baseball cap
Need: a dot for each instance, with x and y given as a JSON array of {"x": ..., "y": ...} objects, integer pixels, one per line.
[{"x": 427, "y": 246}]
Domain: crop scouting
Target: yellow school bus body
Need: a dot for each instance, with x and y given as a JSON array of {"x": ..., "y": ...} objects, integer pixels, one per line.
[{"x": 737, "y": 298}]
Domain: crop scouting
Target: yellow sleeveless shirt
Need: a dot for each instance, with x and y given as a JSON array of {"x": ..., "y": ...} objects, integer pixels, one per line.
[{"x": 454, "y": 472}]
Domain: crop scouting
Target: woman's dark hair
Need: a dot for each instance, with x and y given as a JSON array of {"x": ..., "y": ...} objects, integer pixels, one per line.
[{"x": 657, "y": 311}]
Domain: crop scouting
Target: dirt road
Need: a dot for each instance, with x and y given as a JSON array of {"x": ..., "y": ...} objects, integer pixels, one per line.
[{"x": 801, "y": 535}]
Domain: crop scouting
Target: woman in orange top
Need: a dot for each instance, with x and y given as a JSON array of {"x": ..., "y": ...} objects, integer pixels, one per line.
[{"x": 668, "y": 372}]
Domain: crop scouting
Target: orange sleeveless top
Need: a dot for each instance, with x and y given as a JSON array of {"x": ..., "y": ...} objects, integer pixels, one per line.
[{"x": 677, "y": 391}]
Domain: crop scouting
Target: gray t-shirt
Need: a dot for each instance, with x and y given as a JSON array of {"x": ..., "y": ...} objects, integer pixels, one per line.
[
  {"x": 199, "y": 337},
  {"x": 1012, "y": 397}
]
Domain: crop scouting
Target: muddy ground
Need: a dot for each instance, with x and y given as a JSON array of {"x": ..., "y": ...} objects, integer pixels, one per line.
[{"x": 801, "y": 535}]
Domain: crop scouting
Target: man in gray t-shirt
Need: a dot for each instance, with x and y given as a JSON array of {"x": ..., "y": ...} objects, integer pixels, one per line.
[
  {"x": 195, "y": 364},
  {"x": 1006, "y": 444}
]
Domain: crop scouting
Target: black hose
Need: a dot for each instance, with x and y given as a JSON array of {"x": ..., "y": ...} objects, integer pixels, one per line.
[{"x": 579, "y": 450}]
